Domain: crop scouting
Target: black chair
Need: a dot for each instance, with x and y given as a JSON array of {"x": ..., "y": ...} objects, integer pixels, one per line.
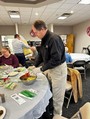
[
  {"x": 88, "y": 49},
  {"x": 70, "y": 65},
  {"x": 80, "y": 65}
]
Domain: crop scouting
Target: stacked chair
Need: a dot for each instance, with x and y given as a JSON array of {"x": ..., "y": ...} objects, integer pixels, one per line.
[{"x": 73, "y": 86}]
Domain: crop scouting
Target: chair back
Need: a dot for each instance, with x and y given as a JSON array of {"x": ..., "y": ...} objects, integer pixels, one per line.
[
  {"x": 79, "y": 63},
  {"x": 70, "y": 65},
  {"x": 85, "y": 111}
]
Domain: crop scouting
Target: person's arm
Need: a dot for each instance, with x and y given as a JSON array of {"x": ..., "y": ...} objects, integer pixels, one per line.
[
  {"x": 38, "y": 60},
  {"x": 15, "y": 62},
  {"x": 70, "y": 59},
  {"x": 0, "y": 60},
  {"x": 25, "y": 45}
]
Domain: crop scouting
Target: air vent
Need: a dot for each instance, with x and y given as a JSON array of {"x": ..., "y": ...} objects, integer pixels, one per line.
[
  {"x": 13, "y": 12},
  {"x": 66, "y": 14}
]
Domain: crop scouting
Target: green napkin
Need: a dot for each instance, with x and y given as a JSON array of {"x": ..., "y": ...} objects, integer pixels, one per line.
[{"x": 28, "y": 94}]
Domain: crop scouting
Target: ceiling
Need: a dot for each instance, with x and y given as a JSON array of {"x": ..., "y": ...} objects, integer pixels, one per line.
[{"x": 49, "y": 11}]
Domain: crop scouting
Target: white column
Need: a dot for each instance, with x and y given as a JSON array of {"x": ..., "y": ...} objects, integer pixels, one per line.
[
  {"x": 16, "y": 28},
  {"x": 50, "y": 27}
]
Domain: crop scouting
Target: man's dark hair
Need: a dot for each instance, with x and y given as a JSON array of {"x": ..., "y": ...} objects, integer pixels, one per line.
[
  {"x": 16, "y": 35},
  {"x": 39, "y": 24}
]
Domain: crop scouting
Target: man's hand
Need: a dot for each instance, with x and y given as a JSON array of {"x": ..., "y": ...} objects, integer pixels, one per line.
[
  {"x": 31, "y": 67},
  {"x": 37, "y": 70}
]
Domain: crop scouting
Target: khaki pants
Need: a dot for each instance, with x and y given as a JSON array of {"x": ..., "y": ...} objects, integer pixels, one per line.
[{"x": 57, "y": 77}]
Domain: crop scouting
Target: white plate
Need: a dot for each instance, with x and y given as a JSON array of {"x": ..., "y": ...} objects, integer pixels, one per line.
[
  {"x": 13, "y": 73},
  {"x": 4, "y": 112},
  {"x": 4, "y": 76},
  {"x": 19, "y": 69}
]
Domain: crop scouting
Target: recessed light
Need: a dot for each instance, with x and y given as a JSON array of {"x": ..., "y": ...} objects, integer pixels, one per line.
[
  {"x": 15, "y": 16},
  {"x": 72, "y": 12},
  {"x": 84, "y": 2},
  {"x": 62, "y": 17},
  {"x": 36, "y": 14}
]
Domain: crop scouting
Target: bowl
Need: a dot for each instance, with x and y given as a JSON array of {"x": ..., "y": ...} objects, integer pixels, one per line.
[{"x": 27, "y": 79}]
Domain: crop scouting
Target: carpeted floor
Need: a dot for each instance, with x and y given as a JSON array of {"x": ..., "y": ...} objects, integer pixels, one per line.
[{"x": 73, "y": 107}]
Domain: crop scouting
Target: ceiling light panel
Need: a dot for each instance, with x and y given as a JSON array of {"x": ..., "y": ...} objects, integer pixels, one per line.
[
  {"x": 84, "y": 2},
  {"x": 14, "y": 14},
  {"x": 62, "y": 17}
]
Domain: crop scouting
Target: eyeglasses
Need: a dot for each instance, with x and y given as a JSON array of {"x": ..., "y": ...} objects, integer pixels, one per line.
[{"x": 32, "y": 33}]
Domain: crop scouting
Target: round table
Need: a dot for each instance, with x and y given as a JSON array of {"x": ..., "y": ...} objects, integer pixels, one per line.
[
  {"x": 31, "y": 109},
  {"x": 80, "y": 56}
]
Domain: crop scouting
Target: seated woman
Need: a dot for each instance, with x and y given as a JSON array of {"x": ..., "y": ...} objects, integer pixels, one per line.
[{"x": 8, "y": 58}]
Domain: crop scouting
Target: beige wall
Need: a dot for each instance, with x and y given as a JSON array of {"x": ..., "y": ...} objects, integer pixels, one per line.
[
  {"x": 7, "y": 30},
  {"x": 24, "y": 30},
  {"x": 81, "y": 37},
  {"x": 79, "y": 30},
  {"x": 0, "y": 43},
  {"x": 63, "y": 30}
]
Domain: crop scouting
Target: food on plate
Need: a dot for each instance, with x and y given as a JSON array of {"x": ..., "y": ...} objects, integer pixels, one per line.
[
  {"x": 2, "y": 83},
  {"x": 1, "y": 67},
  {"x": 10, "y": 85},
  {"x": 19, "y": 69},
  {"x": 6, "y": 80},
  {"x": 1, "y": 112},
  {"x": 4, "y": 67},
  {"x": 31, "y": 68},
  {"x": 12, "y": 73}
]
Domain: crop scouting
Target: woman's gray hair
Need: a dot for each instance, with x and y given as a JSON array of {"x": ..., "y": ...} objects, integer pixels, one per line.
[{"x": 6, "y": 48}]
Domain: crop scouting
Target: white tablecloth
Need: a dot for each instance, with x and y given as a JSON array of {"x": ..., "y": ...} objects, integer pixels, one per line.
[
  {"x": 80, "y": 56},
  {"x": 31, "y": 109}
]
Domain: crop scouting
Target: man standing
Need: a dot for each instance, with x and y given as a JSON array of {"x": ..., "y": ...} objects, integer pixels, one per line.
[
  {"x": 18, "y": 46},
  {"x": 52, "y": 54}
]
